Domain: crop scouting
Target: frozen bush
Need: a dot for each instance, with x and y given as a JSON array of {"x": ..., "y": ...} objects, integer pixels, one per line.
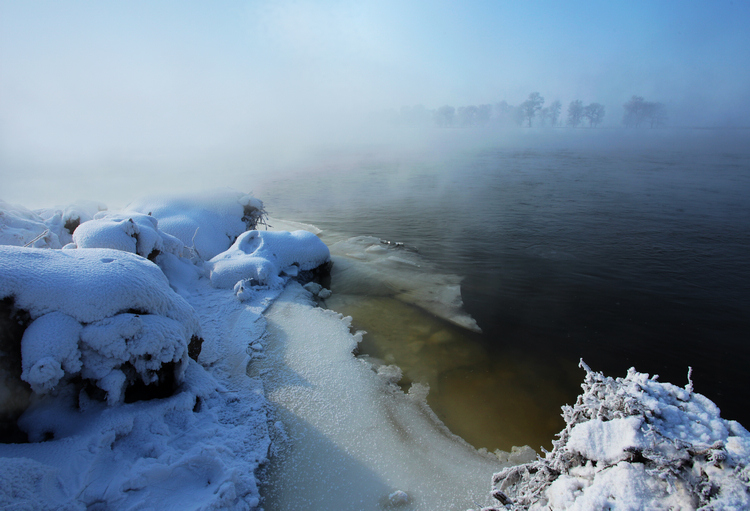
[{"x": 632, "y": 443}]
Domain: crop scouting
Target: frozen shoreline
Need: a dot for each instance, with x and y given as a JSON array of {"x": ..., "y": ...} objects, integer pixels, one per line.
[{"x": 275, "y": 375}]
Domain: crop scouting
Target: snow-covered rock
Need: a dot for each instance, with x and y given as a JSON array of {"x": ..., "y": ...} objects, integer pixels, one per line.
[
  {"x": 104, "y": 315},
  {"x": 134, "y": 232},
  {"x": 261, "y": 258},
  {"x": 635, "y": 443}
]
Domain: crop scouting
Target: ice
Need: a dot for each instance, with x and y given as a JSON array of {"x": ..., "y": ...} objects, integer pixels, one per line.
[
  {"x": 208, "y": 222},
  {"x": 365, "y": 265},
  {"x": 354, "y": 440},
  {"x": 261, "y": 257},
  {"x": 633, "y": 442}
]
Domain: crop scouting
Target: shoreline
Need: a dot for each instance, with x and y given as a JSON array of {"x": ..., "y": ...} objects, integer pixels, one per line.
[{"x": 276, "y": 377}]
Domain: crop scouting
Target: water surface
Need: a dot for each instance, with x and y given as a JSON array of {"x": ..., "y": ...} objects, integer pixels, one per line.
[{"x": 620, "y": 257}]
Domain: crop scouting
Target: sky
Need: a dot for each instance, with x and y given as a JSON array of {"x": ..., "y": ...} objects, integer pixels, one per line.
[{"x": 118, "y": 83}]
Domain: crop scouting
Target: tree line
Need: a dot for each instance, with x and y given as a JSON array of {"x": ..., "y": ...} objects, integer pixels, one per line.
[{"x": 533, "y": 112}]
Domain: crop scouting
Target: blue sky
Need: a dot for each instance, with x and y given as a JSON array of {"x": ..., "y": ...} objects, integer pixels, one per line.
[{"x": 145, "y": 77}]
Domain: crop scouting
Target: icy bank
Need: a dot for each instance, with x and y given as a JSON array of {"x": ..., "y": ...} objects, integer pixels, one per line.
[
  {"x": 635, "y": 443},
  {"x": 83, "y": 326}
]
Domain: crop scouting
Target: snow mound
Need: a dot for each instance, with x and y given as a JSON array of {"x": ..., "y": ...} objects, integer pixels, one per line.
[
  {"x": 207, "y": 223},
  {"x": 135, "y": 233},
  {"x": 107, "y": 316},
  {"x": 631, "y": 442},
  {"x": 260, "y": 258},
  {"x": 367, "y": 265}
]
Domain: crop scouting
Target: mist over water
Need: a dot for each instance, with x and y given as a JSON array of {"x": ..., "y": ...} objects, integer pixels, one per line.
[{"x": 624, "y": 257}]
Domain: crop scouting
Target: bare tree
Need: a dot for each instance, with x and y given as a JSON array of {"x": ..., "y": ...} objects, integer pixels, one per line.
[
  {"x": 594, "y": 113},
  {"x": 531, "y": 106},
  {"x": 575, "y": 113}
]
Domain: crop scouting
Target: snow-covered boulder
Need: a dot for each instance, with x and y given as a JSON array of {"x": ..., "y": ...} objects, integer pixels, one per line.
[
  {"x": 105, "y": 316},
  {"x": 262, "y": 258},
  {"x": 635, "y": 443},
  {"x": 207, "y": 223},
  {"x": 134, "y": 232}
]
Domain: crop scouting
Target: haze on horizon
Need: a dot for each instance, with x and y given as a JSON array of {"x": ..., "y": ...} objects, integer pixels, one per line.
[{"x": 187, "y": 88}]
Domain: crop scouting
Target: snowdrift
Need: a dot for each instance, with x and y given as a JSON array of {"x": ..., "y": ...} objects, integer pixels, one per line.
[{"x": 635, "y": 443}]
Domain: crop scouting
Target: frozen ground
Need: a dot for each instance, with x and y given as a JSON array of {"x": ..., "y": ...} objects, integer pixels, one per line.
[{"x": 157, "y": 357}]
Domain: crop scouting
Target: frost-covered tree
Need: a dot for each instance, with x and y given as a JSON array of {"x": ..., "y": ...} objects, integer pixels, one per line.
[
  {"x": 553, "y": 112},
  {"x": 531, "y": 106},
  {"x": 575, "y": 113},
  {"x": 445, "y": 115},
  {"x": 639, "y": 112},
  {"x": 414, "y": 115},
  {"x": 467, "y": 115},
  {"x": 657, "y": 114},
  {"x": 594, "y": 113},
  {"x": 484, "y": 114},
  {"x": 508, "y": 114}
]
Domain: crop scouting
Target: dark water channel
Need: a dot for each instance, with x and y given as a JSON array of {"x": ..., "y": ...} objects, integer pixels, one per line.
[{"x": 622, "y": 258}]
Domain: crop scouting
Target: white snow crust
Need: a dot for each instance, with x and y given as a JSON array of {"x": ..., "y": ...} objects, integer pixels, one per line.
[{"x": 635, "y": 443}]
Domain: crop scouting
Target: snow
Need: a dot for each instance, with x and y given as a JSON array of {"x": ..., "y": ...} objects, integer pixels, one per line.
[
  {"x": 633, "y": 442},
  {"x": 261, "y": 257}
]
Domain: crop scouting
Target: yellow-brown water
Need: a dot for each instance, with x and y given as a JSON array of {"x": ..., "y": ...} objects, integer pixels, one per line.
[{"x": 493, "y": 400}]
